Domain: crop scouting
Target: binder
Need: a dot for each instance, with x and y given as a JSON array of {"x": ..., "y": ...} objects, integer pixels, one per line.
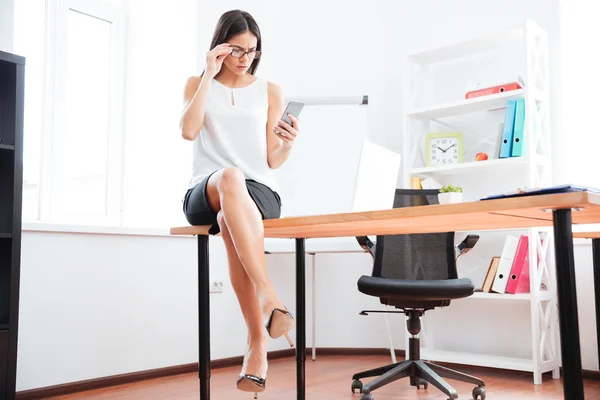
[
  {"x": 542, "y": 191},
  {"x": 505, "y": 265},
  {"x": 519, "y": 129},
  {"x": 498, "y": 140},
  {"x": 516, "y": 271},
  {"x": 523, "y": 286},
  {"x": 507, "y": 134},
  {"x": 491, "y": 274},
  {"x": 494, "y": 90}
]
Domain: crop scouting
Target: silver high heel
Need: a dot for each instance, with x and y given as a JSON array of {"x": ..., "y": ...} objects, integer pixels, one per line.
[{"x": 249, "y": 382}]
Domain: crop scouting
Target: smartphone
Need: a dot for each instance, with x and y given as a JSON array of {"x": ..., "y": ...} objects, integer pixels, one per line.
[{"x": 294, "y": 108}]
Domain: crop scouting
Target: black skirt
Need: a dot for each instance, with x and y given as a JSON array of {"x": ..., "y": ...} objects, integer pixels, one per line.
[{"x": 198, "y": 212}]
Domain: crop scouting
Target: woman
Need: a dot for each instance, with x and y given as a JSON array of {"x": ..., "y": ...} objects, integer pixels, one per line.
[{"x": 232, "y": 117}]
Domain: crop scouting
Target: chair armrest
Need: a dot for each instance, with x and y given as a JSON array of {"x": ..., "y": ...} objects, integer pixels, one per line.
[
  {"x": 366, "y": 244},
  {"x": 466, "y": 245}
]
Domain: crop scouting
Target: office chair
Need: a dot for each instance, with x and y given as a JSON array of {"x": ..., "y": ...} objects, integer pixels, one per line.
[{"x": 415, "y": 273}]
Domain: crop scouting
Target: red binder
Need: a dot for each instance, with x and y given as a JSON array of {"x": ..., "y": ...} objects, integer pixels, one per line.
[
  {"x": 518, "y": 281},
  {"x": 493, "y": 90},
  {"x": 523, "y": 284}
]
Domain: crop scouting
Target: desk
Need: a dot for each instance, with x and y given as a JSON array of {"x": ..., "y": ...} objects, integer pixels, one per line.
[
  {"x": 595, "y": 236},
  {"x": 557, "y": 210}
]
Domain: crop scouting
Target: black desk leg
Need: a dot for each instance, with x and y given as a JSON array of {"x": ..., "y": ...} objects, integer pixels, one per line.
[
  {"x": 300, "y": 318},
  {"x": 203, "y": 318},
  {"x": 567, "y": 305},
  {"x": 596, "y": 257}
]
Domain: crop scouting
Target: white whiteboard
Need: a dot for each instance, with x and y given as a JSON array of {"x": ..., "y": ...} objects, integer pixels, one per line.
[{"x": 319, "y": 177}]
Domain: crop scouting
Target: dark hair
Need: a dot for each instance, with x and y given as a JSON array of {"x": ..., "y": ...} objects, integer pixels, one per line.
[{"x": 233, "y": 23}]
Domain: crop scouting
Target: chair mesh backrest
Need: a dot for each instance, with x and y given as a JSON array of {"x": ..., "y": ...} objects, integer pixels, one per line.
[{"x": 417, "y": 256}]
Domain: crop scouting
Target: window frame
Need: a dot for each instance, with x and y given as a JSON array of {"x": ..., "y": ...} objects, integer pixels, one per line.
[{"x": 51, "y": 205}]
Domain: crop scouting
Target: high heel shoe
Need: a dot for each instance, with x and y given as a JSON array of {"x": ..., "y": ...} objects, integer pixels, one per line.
[
  {"x": 280, "y": 323},
  {"x": 249, "y": 382}
]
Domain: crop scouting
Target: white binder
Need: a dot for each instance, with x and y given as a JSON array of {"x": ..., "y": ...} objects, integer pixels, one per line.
[{"x": 506, "y": 262}]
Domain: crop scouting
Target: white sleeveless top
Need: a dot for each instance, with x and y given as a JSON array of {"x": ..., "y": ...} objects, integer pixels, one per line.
[{"x": 234, "y": 135}]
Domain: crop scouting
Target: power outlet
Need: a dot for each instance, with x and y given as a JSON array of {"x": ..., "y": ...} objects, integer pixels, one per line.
[{"x": 216, "y": 287}]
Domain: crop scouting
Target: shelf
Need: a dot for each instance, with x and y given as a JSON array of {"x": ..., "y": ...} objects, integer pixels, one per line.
[
  {"x": 6, "y": 147},
  {"x": 453, "y": 169},
  {"x": 5, "y": 235},
  {"x": 480, "y": 360},
  {"x": 467, "y": 47},
  {"x": 544, "y": 296},
  {"x": 4, "y": 327},
  {"x": 452, "y": 109},
  {"x": 426, "y": 108}
]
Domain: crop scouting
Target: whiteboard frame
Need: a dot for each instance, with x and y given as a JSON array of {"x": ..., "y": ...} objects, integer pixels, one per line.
[{"x": 361, "y": 100}]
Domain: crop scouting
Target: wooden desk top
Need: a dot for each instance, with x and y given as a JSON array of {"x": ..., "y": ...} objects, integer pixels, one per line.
[
  {"x": 510, "y": 213},
  {"x": 586, "y": 235}
]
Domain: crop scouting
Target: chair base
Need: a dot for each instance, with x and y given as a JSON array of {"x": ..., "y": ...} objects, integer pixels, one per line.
[{"x": 420, "y": 373}]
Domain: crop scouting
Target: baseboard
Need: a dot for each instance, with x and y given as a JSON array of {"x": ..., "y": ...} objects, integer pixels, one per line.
[
  {"x": 99, "y": 383},
  {"x": 80, "y": 386},
  {"x": 587, "y": 374}
]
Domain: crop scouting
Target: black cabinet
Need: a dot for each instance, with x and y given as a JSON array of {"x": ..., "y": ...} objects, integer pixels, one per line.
[
  {"x": 4, "y": 364},
  {"x": 12, "y": 80}
]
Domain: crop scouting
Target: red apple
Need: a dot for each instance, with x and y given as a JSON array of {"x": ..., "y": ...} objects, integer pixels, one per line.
[{"x": 481, "y": 156}]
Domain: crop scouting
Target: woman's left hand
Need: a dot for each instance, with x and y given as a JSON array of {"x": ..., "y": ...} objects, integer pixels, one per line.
[{"x": 288, "y": 133}]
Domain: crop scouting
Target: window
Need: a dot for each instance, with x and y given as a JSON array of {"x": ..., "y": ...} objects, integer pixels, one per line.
[
  {"x": 580, "y": 83},
  {"x": 73, "y": 125},
  {"x": 29, "y": 41},
  {"x": 80, "y": 167}
]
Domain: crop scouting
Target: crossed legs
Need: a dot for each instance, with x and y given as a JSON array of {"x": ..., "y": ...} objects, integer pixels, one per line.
[{"x": 241, "y": 226}]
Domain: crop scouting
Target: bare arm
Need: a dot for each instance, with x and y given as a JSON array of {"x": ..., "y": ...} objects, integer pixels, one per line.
[
  {"x": 196, "y": 91},
  {"x": 278, "y": 148}
]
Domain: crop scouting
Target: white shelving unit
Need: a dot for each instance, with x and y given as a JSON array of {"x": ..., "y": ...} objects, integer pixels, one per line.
[{"x": 425, "y": 111}]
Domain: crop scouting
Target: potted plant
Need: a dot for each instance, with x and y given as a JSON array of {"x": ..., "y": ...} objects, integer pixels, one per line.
[{"x": 450, "y": 194}]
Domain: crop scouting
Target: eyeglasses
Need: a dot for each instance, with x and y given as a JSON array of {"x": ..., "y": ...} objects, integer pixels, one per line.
[{"x": 239, "y": 53}]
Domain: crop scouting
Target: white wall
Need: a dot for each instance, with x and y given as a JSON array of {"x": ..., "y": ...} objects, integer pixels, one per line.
[
  {"x": 100, "y": 305},
  {"x": 7, "y": 23},
  {"x": 95, "y": 306},
  {"x": 84, "y": 298}
]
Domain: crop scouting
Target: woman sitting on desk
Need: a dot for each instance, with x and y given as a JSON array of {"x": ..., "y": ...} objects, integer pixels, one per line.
[{"x": 233, "y": 119}]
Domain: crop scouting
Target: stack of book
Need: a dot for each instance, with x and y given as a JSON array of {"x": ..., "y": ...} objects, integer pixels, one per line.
[{"x": 509, "y": 273}]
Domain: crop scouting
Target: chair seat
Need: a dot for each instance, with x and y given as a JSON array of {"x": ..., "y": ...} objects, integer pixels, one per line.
[{"x": 416, "y": 290}]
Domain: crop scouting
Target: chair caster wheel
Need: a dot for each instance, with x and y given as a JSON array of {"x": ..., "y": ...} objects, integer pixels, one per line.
[
  {"x": 422, "y": 382},
  {"x": 479, "y": 393},
  {"x": 367, "y": 396},
  {"x": 356, "y": 384}
]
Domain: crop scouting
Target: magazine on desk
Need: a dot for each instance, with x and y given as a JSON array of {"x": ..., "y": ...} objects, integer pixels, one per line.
[{"x": 542, "y": 191}]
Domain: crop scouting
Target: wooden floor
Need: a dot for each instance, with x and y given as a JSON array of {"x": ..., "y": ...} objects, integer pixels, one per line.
[{"x": 329, "y": 378}]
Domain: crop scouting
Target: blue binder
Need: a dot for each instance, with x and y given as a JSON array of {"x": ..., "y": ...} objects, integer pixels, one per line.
[
  {"x": 507, "y": 134},
  {"x": 519, "y": 129}
]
